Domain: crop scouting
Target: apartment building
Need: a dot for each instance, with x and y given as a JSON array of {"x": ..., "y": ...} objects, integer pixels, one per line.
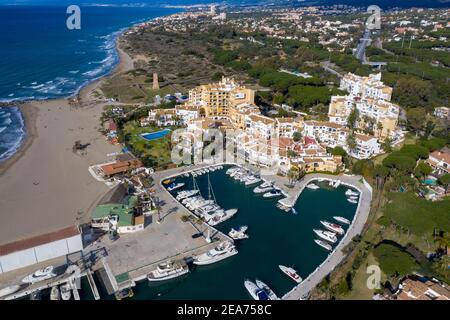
[
  {"x": 384, "y": 114},
  {"x": 216, "y": 99},
  {"x": 287, "y": 126},
  {"x": 260, "y": 126},
  {"x": 366, "y": 87},
  {"x": 366, "y": 147},
  {"x": 330, "y": 133}
]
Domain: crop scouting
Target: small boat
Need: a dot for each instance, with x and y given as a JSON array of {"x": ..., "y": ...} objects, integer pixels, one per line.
[
  {"x": 224, "y": 250},
  {"x": 255, "y": 292},
  {"x": 291, "y": 273},
  {"x": 313, "y": 186},
  {"x": 337, "y": 184},
  {"x": 266, "y": 288},
  {"x": 186, "y": 194},
  {"x": 186, "y": 175},
  {"x": 323, "y": 244},
  {"x": 39, "y": 275},
  {"x": 221, "y": 216},
  {"x": 353, "y": 198},
  {"x": 252, "y": 181},
  {"x": 166, "y": 271},
  {"x": 55, "y": 294},
  {"x": 341, "y": 219},
  {"x": 261, "y": 189},
  {"x": 350, "y": 192},
  {"x": 66, "y": 293},
  {"x": 333, "y": 227},
  {"x": 326, "y": 235},
  {"x": 9, "y": 290},
  {"x": 174, "y": 186},
  {"x": 272, "y": 194},
  {"x": 294, "y": 211},
  {"x": 125, "y": 293},
  {"x": 238, "y": 234},
  {"x": 168, "y": 181},
  {"x": 352, "y": 201}
]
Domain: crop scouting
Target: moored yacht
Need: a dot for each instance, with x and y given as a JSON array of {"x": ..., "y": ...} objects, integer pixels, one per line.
[
  {"x": 9, "y": 290},
  {"x": 221, "y": 216},
  {"x": 252, "y": 181},
  {"x": 238, "y": 234},
  {"x": 350, "y": 192},
  {"x": 167, "y": 270},
  {"x": 175, "y": 186},
  {"x": 256, "y": 292},
  {"x": 326, "y": 235},
  {"x": 323, "y": 244},
  {"x": 312, "y": 186},
  {"x": 261, "y": 189},
  {"x": 291, "y": 273},
  {"x": 341, "y": 219},
  {"x": 272, "y": 194},
  {"x": 352, "y": 201},
  {"x": 266, "y": 288},
  {"x": 55, "y": 294},
  {"x": 186, "y": 194},
  {"x": 66, "y": 293},
  {"x": 39, "y": 275},
  {"x": 333, "y": 227},
  {"x": 224, "y": 250}
]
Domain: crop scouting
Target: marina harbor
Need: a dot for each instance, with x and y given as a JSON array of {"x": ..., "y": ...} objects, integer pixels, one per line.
[{"x": 180, "y": 241}]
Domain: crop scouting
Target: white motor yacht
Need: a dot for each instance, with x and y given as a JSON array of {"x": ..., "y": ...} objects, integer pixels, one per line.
[
  {"x": 256, "y": 292},
  {"x": 323, "y": 244},
  {"x": 326, "y": 235},
  {"x": 341, "y": 219},
  {"x": 221, "y": 216},
  {"x": 266, "y": 288},
  {"x": 313, "y": 186},
  {"x": 55, "y": 294},
  {"x": 224, "y": 250},
  {"x": 175, "y": 186},
  {"x": 66, "y": 293},
  {"x": 167, "y": 270},
  {"x": 238, "y": 234},
  {"x": 291, "y": 273},
  {"x": 350, "y": 192},
  {"x": 333, "y": 227},
  {"x": 272, "y": 194},
  {"x": 39, "y": 275}
]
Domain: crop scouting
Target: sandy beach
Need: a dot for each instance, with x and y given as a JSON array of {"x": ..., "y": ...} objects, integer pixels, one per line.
[{"x": 45, "y": 186}]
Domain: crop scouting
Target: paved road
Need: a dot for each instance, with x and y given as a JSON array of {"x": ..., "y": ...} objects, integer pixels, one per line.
[
  {"x": 335, "y": 257},
  {"x": 364, "y": 42}
]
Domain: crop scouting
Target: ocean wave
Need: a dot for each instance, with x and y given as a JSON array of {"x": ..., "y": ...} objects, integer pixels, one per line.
[
  {"x": 6, "y": 122},
  {"x": 2, "y": 129},
  {"x": 12, "y": 139},
  {"x": 4, "y": 114}
]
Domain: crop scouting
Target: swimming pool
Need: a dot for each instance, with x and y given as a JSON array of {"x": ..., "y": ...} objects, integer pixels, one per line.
[{"x": 155, "y": 135}]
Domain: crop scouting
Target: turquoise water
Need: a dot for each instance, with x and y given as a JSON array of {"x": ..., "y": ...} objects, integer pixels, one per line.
[
  {"x": 276, "y": 237},
  {"x": 155, "y": 135}
]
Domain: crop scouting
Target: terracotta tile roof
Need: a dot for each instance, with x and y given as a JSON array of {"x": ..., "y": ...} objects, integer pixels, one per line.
[
  {"x": 441, "y": 155},
  {"x": 38, "y": 240},
  {"x": 121, "y": 166}
]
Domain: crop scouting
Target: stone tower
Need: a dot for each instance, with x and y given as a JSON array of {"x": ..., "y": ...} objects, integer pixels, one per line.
[{"x": 155, "y": 81}]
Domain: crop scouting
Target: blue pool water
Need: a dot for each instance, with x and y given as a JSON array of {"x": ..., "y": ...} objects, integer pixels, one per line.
[{"x": 155, "y": 135}]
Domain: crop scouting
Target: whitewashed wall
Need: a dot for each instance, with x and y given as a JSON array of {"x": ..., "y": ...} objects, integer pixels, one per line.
[{"x": 40, "y": 253}]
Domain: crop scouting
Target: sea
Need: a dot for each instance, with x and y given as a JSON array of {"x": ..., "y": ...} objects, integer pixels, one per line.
[
  {"x": 40, "y": 58},
  {"x": 275, "y": 238}
]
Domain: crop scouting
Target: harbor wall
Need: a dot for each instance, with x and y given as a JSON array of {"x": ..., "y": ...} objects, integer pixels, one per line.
[{"x": 26, "y": 257}]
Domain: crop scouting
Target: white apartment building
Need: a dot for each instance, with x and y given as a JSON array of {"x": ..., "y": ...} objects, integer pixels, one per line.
[
  {"x": 329, "y": 133},
  {"x": 260, "y": 126},
  {"x": 366, "y": 147},
  {"x": 366, "y": 87},
  {"x": 286, "y": 127}
]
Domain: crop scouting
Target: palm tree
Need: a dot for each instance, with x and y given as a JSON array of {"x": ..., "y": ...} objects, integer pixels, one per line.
[{"x": 293, "y": 174}]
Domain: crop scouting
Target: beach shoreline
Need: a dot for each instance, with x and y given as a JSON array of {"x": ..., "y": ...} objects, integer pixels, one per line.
[
  {"x": 45, "y": 186},
  {"x": 30, "y": 109}
]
